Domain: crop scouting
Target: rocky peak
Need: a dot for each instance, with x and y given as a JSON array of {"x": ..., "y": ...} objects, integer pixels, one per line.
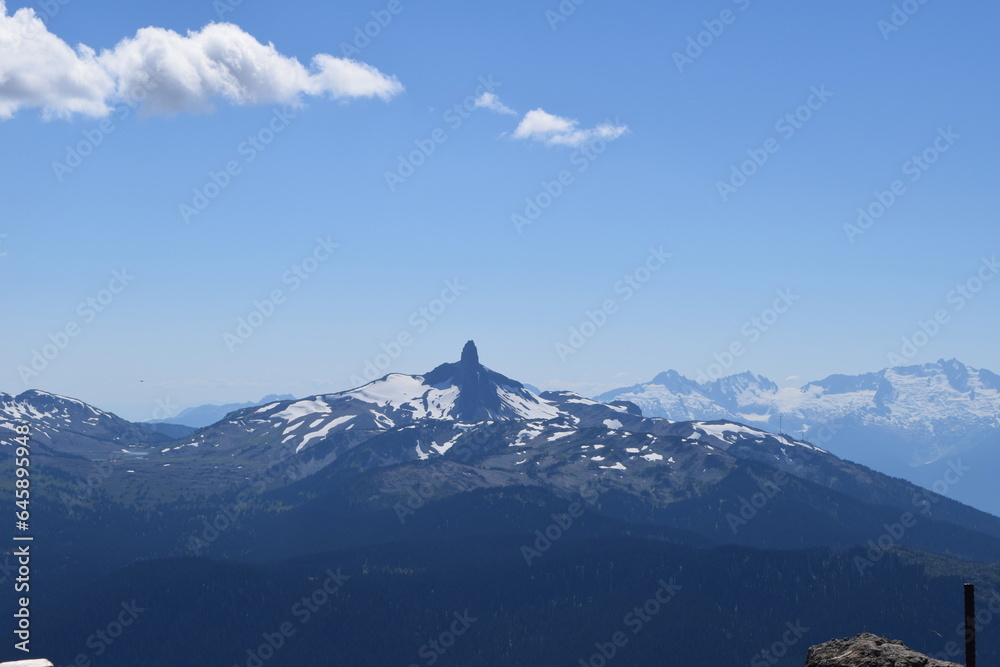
[
  {"x": 470, "y": 355},
  {"x": 483, "y": 393}
]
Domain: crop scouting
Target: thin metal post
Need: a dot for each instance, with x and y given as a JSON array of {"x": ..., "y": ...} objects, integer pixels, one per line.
[{"x": 970, "y": 625}]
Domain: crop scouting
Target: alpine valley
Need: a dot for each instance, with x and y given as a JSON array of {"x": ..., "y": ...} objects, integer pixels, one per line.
[{"x": 457, "y": 518}]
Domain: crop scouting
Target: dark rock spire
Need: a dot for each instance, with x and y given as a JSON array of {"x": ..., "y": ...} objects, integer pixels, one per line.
[{"x": 470, "y": 355}]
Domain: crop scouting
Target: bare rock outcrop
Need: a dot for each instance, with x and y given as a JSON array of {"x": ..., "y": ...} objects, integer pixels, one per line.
[{"x": 868, "y": 650}]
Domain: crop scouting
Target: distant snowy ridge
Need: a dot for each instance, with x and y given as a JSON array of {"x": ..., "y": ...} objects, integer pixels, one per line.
[
  {"x": 921, "y": 423},
  {"x": 913, "y": 398}
]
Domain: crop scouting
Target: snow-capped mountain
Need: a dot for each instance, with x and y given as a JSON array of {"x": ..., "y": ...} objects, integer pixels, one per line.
[
  {"x": 465, "y": 391},
  {"x": 477, "y": 475},
  {"x": 463, "y": 427},
  {"x": 912, "y": 397},
  {"x": 673, "y": 396},
  {"x": 911, "y": 421},
  {"x": 466, "y": 410},
  {"x": 69, "y": 426}
]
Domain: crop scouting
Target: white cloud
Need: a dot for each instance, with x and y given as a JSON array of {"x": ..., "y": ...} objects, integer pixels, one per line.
[
  {"x": 37, "y": 69},
  {"x": 174, "y": 73},
  {"x": 557, "y": 131},
  {"x": 492, "y": 102}
]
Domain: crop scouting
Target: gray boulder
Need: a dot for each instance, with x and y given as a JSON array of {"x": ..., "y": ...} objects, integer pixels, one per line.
[{"x": 868, "y": 650}]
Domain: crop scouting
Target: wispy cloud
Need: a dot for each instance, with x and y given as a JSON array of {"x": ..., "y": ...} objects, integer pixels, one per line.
[
  {"x": 552, "y": 130},
  {"x": 176, "y": 73},
  {"x": 492, "y": 102}
]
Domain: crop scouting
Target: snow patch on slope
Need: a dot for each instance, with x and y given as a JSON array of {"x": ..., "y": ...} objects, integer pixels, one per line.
[
  {"x": 323, "y": 432},
  {"x": 303, "y": 408}
]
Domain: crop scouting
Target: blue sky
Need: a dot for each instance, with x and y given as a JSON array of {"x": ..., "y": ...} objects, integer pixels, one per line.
[{"x": 654, "y": 137}]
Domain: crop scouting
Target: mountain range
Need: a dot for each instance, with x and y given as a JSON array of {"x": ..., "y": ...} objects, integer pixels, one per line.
[
  {"x": 448, "y": 490},
  {"x": 915, "y": 422},
  {"x": 206, "y": 415},
  {"x": 64, "y": 426},
  {"x": 463, "y": 427}
]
